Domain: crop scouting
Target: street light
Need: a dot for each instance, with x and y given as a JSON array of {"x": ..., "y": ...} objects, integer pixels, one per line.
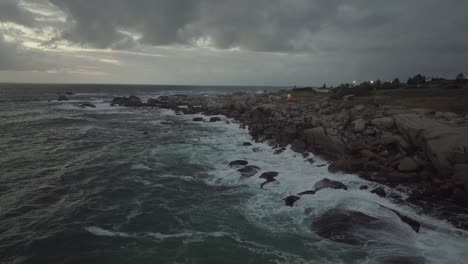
[{"x": 372, "y": 82}]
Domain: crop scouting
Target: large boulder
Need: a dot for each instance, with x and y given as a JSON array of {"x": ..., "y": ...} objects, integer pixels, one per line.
[
  {"x": 298, "y": 146},
  {"x": 408, "y": 165},
  {"x": 380, "y": 192},
  {"x": 344, "y": 226},
  {"x": 383, "y": 123},
  {"x": 262, "y": 111},
  {"x": 327, "y": 183},
  {"x": 359, "y": 125},
  {"x": 131, "y": 101},
  {"x": 215, "y": 119},
  {"x": 325, "y": 141},
  {"x": 442, "y": 145},
  {"x": 248, "y": 171}
]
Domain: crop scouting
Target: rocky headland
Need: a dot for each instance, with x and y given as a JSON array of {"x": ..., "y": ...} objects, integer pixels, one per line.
[{"x": 398, "y": 146}]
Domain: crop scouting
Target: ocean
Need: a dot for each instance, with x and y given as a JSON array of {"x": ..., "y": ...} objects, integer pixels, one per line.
[{"x": 123, "y": 185}]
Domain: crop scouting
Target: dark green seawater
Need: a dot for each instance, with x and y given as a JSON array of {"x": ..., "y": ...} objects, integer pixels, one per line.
[{"x": 121, "y": 185}]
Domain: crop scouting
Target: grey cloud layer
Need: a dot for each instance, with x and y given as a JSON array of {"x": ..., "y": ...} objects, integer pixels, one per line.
[
  {"x": 271, "y": 25},
  {"x": 355, "y": 38}
]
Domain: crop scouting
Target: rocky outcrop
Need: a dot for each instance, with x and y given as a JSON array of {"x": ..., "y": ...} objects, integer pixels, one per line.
[
  {"x": 344, "y": 226},
  {"x": 443, "y": 146},
  {"x": 327, "y": 183},
  {"x": 325, "y": 141},
  {"x": 215, "y": 119},
  {"x": 131, "y": 101},
  {"x": 389, "y": 145}
]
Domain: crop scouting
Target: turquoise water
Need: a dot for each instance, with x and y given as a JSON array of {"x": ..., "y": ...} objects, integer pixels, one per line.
[{"x": 120, "y": 185}]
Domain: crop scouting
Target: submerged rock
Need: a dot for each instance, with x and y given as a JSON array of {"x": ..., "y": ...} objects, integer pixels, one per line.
[
  {"x": 343, "y": 226},
  {"x": 279, "y": 151},
  {"x": 311, "y": 192},
  {"x": 246, "y": 144},
  {"x": 379, "y": 191},
  {"x": 198, "y": 119},
  {"x": 86, "y": 105},
  {"x": 327, "y": 183},
  {"x": 131, "y": 101},
  {"x": 215, "y": 119},
  {"x": 290, "y": 200},
  {"x": 248, "y": 171},
  {"x": 238, "y": 163}
]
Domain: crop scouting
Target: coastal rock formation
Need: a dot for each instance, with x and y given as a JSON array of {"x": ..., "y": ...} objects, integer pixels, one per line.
[
  {"x": 344, "y": 226},
  {"x": 387, "y": 144},
  {"x": 215, "y": 119},
  {"x": 131, "y": 101},
  {"x": 327, "y": 183}
]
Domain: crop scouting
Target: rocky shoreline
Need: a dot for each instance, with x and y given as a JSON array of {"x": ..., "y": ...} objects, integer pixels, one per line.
[{"x": 417, "y": 148}]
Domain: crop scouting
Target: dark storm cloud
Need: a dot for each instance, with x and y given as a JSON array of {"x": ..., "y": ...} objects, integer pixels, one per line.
[
  {"x": 271, "y": 25},
  {"x": 263, "y": 25}
]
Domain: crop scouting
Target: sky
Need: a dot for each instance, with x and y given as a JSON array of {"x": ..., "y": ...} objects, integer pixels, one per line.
[{"x": 231, "y": 42}]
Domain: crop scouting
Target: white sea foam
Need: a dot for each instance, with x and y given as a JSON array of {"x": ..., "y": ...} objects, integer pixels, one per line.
[
  {"x": 193, "y": 235},
  {"x": 103, "y": 232}
]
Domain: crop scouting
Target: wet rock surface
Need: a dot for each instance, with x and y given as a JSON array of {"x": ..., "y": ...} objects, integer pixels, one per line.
[
  {"x": 238, "y": 163},
  {"x": 344, "y": 226},
  {"x": 327, "y": 183}
]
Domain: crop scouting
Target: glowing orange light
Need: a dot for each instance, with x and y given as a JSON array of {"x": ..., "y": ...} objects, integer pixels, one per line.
[{"x": 289, "y": 96}]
